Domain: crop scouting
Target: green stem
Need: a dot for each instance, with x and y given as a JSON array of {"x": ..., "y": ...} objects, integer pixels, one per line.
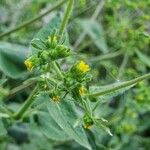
[
  {"x": 26, "y": 23},
  {"x": 58, "y": 70},
  {"x": 19, "y": 88},
  {"x": 65, "y": 18},
  {"x": 123, "y": 85},
  {"x": 106, "y": 56},
  {"x": 60, "y": 33},
  {"x": 26, "y": 105}
]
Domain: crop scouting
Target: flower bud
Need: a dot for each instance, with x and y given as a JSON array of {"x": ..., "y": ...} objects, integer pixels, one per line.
[
  {"x": 82, "y": 67},
  {"x": 56, "y": 98},
  {"x": 88, "y": 121},
  {"x": 59, "y": 52},
  {"x": 82, "y": 90},
  {"x": 79, "y": 70},
  {"x": 52, "y": 41},
  {"x": 55, "y": 95},
  {"x": 44, "y": 55},
  {"x": 29, "y": 64}
]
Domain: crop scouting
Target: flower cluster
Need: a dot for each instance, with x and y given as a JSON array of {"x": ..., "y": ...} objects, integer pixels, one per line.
[
  {"x": 47, "y": 51},
  {"x": 57, "y": 83}
]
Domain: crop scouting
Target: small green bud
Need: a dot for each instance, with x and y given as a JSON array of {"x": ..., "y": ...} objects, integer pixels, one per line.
[
  {"x": 44, "y": 55},
  {"x": 88, "y": 121},
  {"x": 63, "y": 51},
  {"x": 55, "y": 95},
  {"x": 59, "y": 52},
  {"x": 52, "y": 41}
]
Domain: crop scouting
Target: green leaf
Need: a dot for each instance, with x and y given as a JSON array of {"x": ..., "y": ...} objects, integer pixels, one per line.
[
  {"x": 95, "y": 31},
  {"x": 2, "y": 129},
  {"x": 105, "y": 128},
  {"x": 94, "y": 89},
  {"x": 12, "y": 58},
  {"x": 120, "y": 86},
  {"x": 144, "y": 58},
  {"x": 50, "y": 128},
  {"x": 48, "y": 29},
  {"x": 38, "y": 44},
  {"x": 64, "y": 114}
]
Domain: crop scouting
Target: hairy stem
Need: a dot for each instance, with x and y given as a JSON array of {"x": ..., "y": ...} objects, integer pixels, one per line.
[
  {"x": 26, "y": 105},
  {"x": 58, "y": 71},
  {"x": 19, "y": 88},
  {"x": 123, "y": 85},
  {"x": 107, "y": 56},
  {"x": 60, "y": 33},
  {"x": 32, "y": 20},
  {"x": 66, "y": 18}
]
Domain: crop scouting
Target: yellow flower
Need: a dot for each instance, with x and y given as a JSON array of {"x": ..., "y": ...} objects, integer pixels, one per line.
[
  {"x": 83, "y": 67},
  {"x": 88, "y": 126},
  {"x": 56, "y": 99},
  {"x": 82, "y": 90},
  {"x": 29, "y": 64},
  {"x": 52, "y": 39}
]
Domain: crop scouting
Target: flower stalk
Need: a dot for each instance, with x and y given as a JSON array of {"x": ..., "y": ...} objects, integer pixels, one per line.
[
  {"x": 58, "y": 71},
  {"x": 66, "y": 18}
]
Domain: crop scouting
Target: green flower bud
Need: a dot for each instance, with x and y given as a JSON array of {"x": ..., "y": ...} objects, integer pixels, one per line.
[
  {"x": 55, "y": 95},
  {"x": 52, "y": 41},
  {"x": 88, "y": 121},
  {"x": 59, "y": 52},
  {"x": 44, "y": 55}
]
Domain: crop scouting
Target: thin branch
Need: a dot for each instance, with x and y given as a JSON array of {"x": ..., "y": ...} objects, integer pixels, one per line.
[
  {"x": 106, "y": 56},
  {"x": 26, "y": 23}
]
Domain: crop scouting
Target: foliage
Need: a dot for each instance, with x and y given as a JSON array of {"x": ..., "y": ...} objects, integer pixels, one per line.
[{"x": 72, "y": 80}]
